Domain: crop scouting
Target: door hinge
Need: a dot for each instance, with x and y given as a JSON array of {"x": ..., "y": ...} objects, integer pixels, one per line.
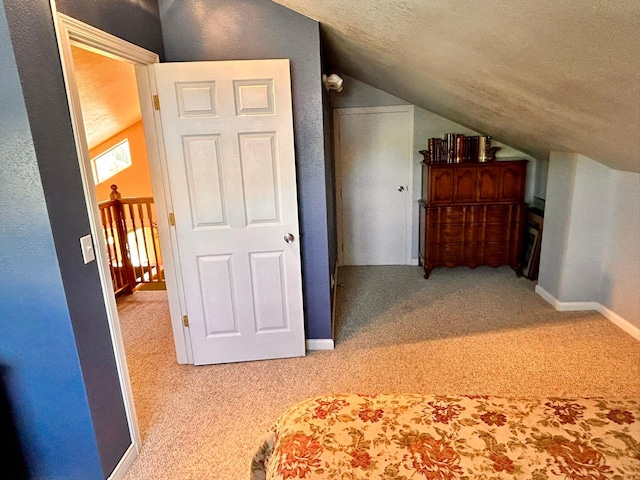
[
  {"x": 172, "y": 219},
  {"x": 185, "y": 320},
  {"x": 156, "y": 102}
]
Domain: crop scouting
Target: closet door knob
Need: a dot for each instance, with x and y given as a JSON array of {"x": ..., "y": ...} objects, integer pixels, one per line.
[
  {"x": 401, "y": 188},
  {"x": 289, "y": 238}
]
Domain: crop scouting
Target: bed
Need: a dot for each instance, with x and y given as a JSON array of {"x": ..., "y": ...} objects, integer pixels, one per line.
[{"x": 402, "y": 437}]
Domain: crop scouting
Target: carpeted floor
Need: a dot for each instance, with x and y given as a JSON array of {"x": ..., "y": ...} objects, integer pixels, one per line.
[{"x": 463, "y": 331}]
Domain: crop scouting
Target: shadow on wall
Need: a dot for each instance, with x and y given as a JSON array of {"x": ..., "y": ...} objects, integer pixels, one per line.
[{"x": 14, "y": 466}]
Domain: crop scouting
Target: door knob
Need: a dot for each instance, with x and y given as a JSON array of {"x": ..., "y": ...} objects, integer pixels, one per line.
[
  {"x": 401, "y": 188},
  {"x": 289, "y": 238}
]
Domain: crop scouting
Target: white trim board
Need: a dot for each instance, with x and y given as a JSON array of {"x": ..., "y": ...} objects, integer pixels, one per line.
[
  {"x": 124, "y": 464},
  {"x": 103, "y": 43},
  {"x": 320, "y": 344},
  {"x": 616, "y": 319}
]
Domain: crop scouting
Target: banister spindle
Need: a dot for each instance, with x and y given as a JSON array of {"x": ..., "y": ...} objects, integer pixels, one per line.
[{"x": 122, "y": 216}]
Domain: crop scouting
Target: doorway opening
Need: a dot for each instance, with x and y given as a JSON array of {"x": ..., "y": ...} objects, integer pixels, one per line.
[
  {"x": 112, "y": 121},
  {"x": 120, "y": 167}
]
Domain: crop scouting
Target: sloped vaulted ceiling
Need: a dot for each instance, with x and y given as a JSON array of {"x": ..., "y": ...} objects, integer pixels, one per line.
[
  {"x": 539, "y": 75},
  {"x": 108, "y": 95}
]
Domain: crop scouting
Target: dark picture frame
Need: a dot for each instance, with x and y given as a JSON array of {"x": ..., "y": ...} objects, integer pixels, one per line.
[{"x": 531, "y": 239}]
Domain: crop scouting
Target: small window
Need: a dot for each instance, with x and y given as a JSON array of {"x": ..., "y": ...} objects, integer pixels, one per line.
[{"x": 113, "y": 161}]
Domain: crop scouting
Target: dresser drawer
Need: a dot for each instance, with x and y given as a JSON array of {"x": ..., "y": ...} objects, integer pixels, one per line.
[
  {"x": 452, "y": 254},
  {"x": 494, "y": 254},
  {"x": 494, "y": 232},
  {"x": 453, "y": 233},
  {"x": 451, "y": 215},
  {"x": 496, "y": 213}
]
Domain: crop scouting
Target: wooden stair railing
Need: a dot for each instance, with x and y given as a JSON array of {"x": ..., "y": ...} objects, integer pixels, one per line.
[{"x": 131, "y": 234}]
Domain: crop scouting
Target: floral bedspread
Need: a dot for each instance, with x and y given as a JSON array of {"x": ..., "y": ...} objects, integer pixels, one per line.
[{"x": 402, "y": 437}]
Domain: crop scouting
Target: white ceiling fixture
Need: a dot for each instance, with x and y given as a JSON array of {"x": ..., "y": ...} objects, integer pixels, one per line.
[{"x": 333, "y": 82}]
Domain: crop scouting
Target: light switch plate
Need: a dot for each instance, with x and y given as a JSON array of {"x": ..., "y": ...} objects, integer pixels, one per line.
[{"x": 86, "y": 244}]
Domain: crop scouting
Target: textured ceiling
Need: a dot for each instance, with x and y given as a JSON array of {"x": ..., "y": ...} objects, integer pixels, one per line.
[
  {"x": 108, "y": 95},
  {"x": 538, "y": 75}
]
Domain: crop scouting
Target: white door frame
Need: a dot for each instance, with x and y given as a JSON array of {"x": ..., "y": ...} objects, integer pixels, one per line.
[
  {"x": 339, "y": 112},
  {"x": 73, "y": 32}
]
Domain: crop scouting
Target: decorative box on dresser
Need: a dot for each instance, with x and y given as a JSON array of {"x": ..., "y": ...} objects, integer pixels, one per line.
[{"x": 472, "y": 214}]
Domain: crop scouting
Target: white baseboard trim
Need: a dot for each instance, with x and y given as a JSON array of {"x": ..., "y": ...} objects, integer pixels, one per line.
[
  {"x": 565, "y": 306},
  {"x": 125, "y": 463},
  {"x": 320, "y": 344},
  {"x": 550, "y": 299},
  {"x": 624, "y": 324},
  {"x": 612, "y": 316}
]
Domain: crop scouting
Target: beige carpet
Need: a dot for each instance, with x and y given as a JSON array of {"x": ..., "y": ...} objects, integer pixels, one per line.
[{"x": 463, "y": 331}]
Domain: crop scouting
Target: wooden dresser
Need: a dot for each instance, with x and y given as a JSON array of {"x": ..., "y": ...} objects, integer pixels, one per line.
[{"x": 472, "y": 214}]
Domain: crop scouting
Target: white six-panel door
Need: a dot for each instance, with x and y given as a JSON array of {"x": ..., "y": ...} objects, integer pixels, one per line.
[{"x": 228, "y": 135}]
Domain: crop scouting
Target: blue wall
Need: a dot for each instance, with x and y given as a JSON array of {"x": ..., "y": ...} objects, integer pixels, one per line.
[
  {"x": 261, "y": 29},
  {"x": 136, "y": 21},
  {"x": 37, "y": 346},
  {"x": 58, "y": 312}
]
